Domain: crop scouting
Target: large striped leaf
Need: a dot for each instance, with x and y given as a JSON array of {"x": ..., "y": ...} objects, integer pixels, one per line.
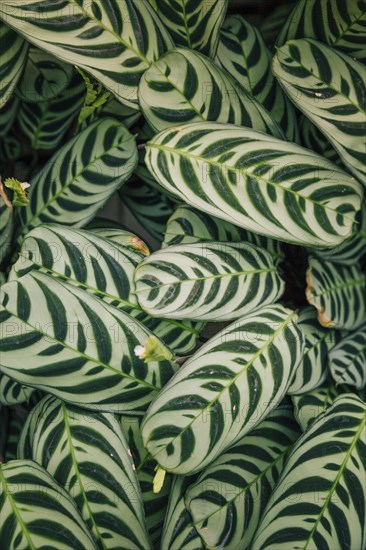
[
  {"x": 60, "y": 330},
  {"x": 113, "y": 41},
  {"x": 35, "y": 510},
  {"x": 13, "y": 53},
  {"x": 328, "y": 87},
  {"x": 188, "y": 225},
  {"x": 309, "y": 406},
  {"x": 319, "y": 501},
  {"x": 211, "y": 281},
  {"x": 102, "y": 266},
  {"x": 185, "y": 86},
  {"x": 194, "y": 25},
  {"x": 46, "y": 122},
  {"x": 256, "y": 181},
  {"x": 155, "y": 504},
  {"x": 44, "y": 77},
  {"x": 87, "y": 455},
  {"x": 243, "y": 53},
  {"x": 82, "y": 176},
  {"x": 338, "y": 292},
  {"x": 313, "y": 368},
  {"x": 224, "y": 390},
  {"x": 228, "y": 498},
  {"x": 347, "y": 360},
  {"x": 353, "y": 249},
  {"x": 340, "y": 24},
  {"x": 12, "y": 393},
  {"x": 179, "y": 531},
  {"x": 123, "y": 237}
]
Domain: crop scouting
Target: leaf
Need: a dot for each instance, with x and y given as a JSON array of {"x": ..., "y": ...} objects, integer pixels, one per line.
[
  {"x": 185, "y": 86},
  {"x": 319, "y": 500},
  {"x": 195, "y": 25},
  {"x": 12, "y": 59},
  {"x": 210, "y": 282},
  {"x": 328, "y": 87},
  {"x": 179, "y": 532},
  {"x": 6, "y": 223},
  {"x": 244, "y": 55},
  {"x": 12, "y": 393},
  {"x": 8, "y": 115},
  {"x": 44, "y": 77},
  {"x": 312, "y": 138},
  {"x": 62, "y": 330},
  {"x": 114, "y": 42},
  {"x": 228, "y": 498},
  {"x": 95, "y": 97},
  {"x": 338, "y": 293},
  {"x": 103, "y": 267},
  {"x": 15, "y": 426},
  {"x": 313, "y": 368},
  {"x": 154, "y": 504},
  {"x": 86, "y": 453},
  {"x": 347, "y": 360},
  {"x": 339, "y": 24},
  {"x": 224, "y": 390},
  {"x": 153, "y": 211},
  {"x": 353, "y": 249},
  {"x": 309, "y": 406},
  {"x": 46, "y": 123},
  {"x": 124, "y": 238},
  {"x": 35, "y": 509},
  {"x": 188, "y": 225},
  {"x": 116, "y": 110},
  {"x": 257, "y": 182},
  {"x": 81, "y": 176}
]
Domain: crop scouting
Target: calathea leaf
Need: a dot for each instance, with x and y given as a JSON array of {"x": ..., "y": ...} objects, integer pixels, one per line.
[
  {"x": 328, "y": 87},
  {"x": 195, "y": 25},
  {"x": 114, "y": 42},
  {"x": 340, "y": 24},
  {"x": 46, "y": 122},
  {"x": 179, "y": 531},
  {"x": 211, "y": 281},
  {"x": 12, "y": 393},
  {"x": 13, "y": 53},
  {"x": 309, "y": 406},
  {"x": 61, "y": 330},
  {"x": 81, "y": 177},
  {"x": 257, "y": 182},
  {"x": 152, "y": 212},
  {"x": 319, "y": 500},
  {"x": 313, "y": 368},
  {"x": 224, "y": 390},
  {"x": 228, "y": 498},
  {"x": 353, "y": 249},
  {"x": 86, "y": 453},
  {"x": 8, "y": 115},
  {"x": 271, "y": 25},
  {"x": 15, "y": 426},
  {"x": 312, "y": 138},
  {"x": 104, "y": 267},
  {"x": 185, "y": 86},
  {"x": 347, "y": 360},
  {"x": 35, "y": 509},
  {"x": 155, "y": 504},
  {"x": 338, "y": 293},
  {"x": 188, "y": 225},
  {"x": 244, "y": 55},
  {"x": 118, "y": 111},
  {"x": 44, "y": 77},
  {"x": 122, "y": 237}
]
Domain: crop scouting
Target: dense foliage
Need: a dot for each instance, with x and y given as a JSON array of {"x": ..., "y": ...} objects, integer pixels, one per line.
[{"x": 205, "y": 390}]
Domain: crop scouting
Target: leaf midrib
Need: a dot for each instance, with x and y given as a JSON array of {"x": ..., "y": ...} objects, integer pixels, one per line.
[{"x": 244, "y": 171}]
